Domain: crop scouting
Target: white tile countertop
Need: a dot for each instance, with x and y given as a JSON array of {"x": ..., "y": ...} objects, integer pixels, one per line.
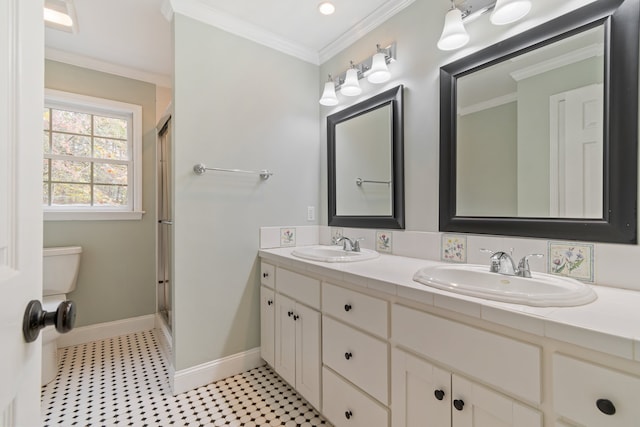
[{"x": 610, "y": 324}]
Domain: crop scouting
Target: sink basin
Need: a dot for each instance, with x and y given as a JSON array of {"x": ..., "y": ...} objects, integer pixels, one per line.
[
  {"x": 333, "y": 254},
  {"x": 541, "y": 290}
]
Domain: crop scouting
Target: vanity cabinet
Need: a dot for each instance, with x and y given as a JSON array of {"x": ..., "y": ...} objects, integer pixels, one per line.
[
  {"x": 376, "y": 357},
  {"x": 426, "y": 395},
  {"x": 593, "y": 396},
  {"x": 296, "y": 332}
]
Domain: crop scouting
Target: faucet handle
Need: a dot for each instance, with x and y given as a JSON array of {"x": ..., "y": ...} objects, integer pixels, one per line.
[
  {"x": 495, "y": 262},
  {"x": 356, "y": 244},
  {"x": 523, "y": 265}
]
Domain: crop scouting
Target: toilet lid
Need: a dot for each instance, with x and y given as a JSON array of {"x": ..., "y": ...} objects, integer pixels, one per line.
[{"x": 51, "y": 302}]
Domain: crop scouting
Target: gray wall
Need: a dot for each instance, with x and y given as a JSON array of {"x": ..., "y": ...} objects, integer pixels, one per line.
[
  {"x": 117, "y": 270},
  {"x": 239, "y": 105},
  {"x": 363, "y": 150},
  {"x": 487, "y": 176}
]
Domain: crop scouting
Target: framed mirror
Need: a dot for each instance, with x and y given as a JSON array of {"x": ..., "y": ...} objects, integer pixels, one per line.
[
  {"x": 366, "y": 163},
  {"x": 539, "y": 133}
]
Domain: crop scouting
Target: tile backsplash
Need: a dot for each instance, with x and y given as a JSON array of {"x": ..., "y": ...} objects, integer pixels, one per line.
[{"x": 598, "y": 263}]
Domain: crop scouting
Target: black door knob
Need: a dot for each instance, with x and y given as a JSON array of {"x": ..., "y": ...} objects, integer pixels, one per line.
[
  {"x": 269, "y": 302},
  {"x": 606, "y": 406},
  {"x": 290, "y": 313},
  {"x": 439, "y": 394},
  {"x": 265, "y": 275},
  {"x": 348, "y": 415},
  {"x": 348, "y": 356},
  {"x": 458, "y": 404},
  {"x": 35, "y": 319},
  {"x": 347, "y": 307},
  {"x": 296, "y": 317}
]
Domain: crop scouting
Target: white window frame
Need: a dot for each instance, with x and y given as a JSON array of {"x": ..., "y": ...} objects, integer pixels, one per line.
[{"x": 99, "y": 106}]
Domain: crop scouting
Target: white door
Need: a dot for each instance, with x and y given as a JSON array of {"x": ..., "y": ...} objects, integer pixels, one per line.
[
  {"x": 577, "y": 153},
  {"x": 421, "y": 392},
  {"x": 21, "y": 106}
]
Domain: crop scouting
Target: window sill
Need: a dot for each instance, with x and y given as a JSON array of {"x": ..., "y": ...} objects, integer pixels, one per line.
[{"x": 92, "y": 215}]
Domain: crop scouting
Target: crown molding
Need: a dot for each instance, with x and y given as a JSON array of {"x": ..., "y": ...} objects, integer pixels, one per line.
[
  {"x": 559, "y": 61},
  {"x": 202, "y": 12},
  {"x": 491, "y": 103},
  {"x": 107, "y": 67},
  {"x": 363, "y": 27}
]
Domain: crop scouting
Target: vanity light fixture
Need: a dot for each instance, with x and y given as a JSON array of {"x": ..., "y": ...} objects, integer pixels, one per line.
[
  {"x": 351, "y": 86},
  {"x": 503, "y": 12},
  {"x": 508, "y": 11},
  {"x": 374, "y": 68},
  {"x": 379, "y": 72},
  {"x": 326, "y": 8},
  {"x": 329, "y": 97},
  {"x": 454, "y": 35}
]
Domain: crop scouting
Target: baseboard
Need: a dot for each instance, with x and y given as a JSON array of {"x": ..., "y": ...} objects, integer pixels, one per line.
[
  {"x": 101, "y": 331},
  {"x": 164, "y": 338},
  {"x": 206, "y": 373}
]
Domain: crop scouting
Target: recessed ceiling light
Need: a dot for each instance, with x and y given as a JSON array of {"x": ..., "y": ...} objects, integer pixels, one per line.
[{"x": 326, "y": 8}]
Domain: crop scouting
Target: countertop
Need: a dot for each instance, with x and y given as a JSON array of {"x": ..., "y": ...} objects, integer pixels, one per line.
[{"x": 610, "y": 324}]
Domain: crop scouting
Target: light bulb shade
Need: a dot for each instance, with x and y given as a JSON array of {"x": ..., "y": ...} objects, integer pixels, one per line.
[
  {"x": 329, "y": 97},
  {"x": 508, "y": 11},
  {"x": 379, "y": 72},
  {"x": 351, "y": 86},
  {"x": 454, "y": 35}
]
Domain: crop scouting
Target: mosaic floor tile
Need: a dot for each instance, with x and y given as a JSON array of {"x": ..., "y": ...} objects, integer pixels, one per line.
[{"x": 123, "y": 382}]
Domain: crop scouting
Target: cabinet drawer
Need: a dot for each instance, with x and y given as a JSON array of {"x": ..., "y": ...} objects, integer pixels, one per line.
[
  {"x": 302, "y": 288},
  {"x": 267, "y": 274},
  {"x": 363, "y": 311},
  {"x": 344, "y": 405},
  {"x": 360, "y": 358},
  {"x": 578, "y": 387},
  {"x": 510, "y": 365}
]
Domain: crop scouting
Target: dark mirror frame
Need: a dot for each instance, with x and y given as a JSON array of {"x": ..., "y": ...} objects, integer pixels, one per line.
[
  {"x": 620, "y": 143},
  {"x": 391, "y": 97}
]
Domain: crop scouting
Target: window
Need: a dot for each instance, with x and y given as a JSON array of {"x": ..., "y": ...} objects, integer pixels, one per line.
[{"x": 92, "y": 158}]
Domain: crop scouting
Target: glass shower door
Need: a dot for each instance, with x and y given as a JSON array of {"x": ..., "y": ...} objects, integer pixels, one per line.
[{"x": 164, "y": 234}]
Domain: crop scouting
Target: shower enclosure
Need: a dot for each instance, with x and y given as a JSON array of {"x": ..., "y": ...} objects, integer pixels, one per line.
[{"x": 164, "y": 242}]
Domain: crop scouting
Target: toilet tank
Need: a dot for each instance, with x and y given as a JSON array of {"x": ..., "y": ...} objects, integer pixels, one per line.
[{"x": 60, "y": 269}]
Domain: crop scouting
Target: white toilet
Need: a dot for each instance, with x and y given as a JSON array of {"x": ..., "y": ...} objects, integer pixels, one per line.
[{"x": 60, "y": 273}]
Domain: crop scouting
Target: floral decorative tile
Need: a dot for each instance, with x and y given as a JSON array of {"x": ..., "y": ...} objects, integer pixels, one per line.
[
  {"x": 287, "y": 237},
  {"x": 571, "y": 259},
  {"x": 336, "y": 233},
  {"x": 384, "y": 241},
  {"x": 454, "y": 248}
]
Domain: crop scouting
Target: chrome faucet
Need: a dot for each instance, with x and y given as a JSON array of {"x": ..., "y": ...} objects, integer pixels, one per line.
[
  {"x": 348, "y": 244},
  {"x": 502, "y": 263}
]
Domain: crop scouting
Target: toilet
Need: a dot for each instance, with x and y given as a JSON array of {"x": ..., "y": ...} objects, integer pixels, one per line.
[{"x": 60, "y": 273}]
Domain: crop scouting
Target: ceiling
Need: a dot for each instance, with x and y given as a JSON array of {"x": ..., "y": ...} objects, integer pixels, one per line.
[{"x": 132, "y": 37}]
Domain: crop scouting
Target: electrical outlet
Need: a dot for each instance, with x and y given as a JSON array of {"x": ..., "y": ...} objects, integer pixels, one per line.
[{"x": 311, "y": 213}]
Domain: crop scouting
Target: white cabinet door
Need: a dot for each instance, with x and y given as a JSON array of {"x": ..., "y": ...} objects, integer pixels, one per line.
[
  {"x": 420, "y": 392},
  {"x": 308, "y": 363},
  {"x": 476, "y": 406},
  {"x": 285, "y": 342},
  {"x": 267, "y": 325}
]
